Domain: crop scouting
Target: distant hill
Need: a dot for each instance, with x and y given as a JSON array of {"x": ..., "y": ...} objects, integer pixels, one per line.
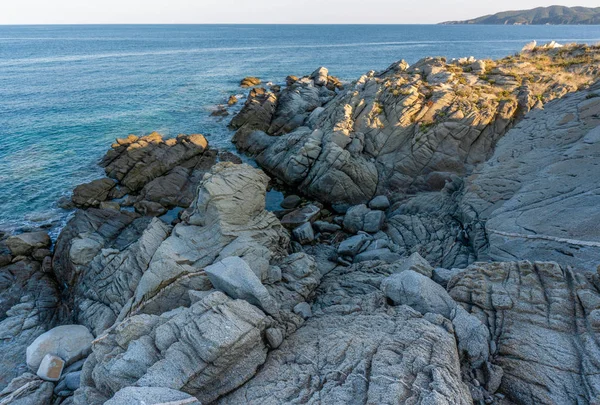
[{"x": 553, "y": 15}]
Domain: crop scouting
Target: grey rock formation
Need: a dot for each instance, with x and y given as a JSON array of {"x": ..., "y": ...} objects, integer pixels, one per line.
[
  {"x": 541, "y": 320},
  {"x": 155, "y": 174},
  {"x": 380, "y": 202},
  {"x": 101, "y": 255},
  {"x": 354, "y": 350},
  {"x": 69, "y": 342},
  {"x": 27, "y": 389},
  {"x": 235, "y": 278},
  {"x": 417, "y": 263},
  {"x": 301, "y": 216},
  {"x": 25, "y": 243},
  {"x": 29, "y": 300},
  {"x": 304, "y": 233},
  {"x": 50, "y": 368},
  {"x": 419, "y": 292},
  {"x": 534, "y": 199},
  {"x": 205, "y": 350},
  {"x": 151, "y": 396},
  {"x": 408, "y": 129},
  {"x": 228, "y": 218}
]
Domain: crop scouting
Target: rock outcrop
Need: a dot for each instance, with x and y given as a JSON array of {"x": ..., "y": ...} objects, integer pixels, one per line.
[
  {"x": 536, "y": 198},
  {"x": 406, "y": 129},
  {"x": 543, "y": 320},
  {"x": 154, "y": 175}
]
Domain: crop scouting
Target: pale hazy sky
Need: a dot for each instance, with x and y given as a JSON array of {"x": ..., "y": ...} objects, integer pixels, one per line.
[{"x": 257, "y": 11}]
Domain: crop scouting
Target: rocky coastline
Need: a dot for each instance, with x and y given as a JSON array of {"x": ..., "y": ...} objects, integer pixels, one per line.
[{"x": 437, "y": 244}]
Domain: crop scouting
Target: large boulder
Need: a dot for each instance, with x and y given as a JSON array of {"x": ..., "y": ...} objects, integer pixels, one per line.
[
  {"x": 25, "y": 243},
  {"x": 69, "y": 342},
  {"x": 420, "y": 292}
]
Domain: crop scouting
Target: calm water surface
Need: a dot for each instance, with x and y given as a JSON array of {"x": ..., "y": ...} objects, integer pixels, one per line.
[{"x": 66, "y": 92}]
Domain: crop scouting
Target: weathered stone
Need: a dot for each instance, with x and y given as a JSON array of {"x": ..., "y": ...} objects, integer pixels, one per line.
[
  {"x": 51, "y": 368},
  {"x": 352, "y": 246},
  {"x": 320, "y": 76},
  {"x": 25, "y": 243},
  {"x": 419, "y": 292},
  {"x": 380, "y": 202},
  {"x": 151, "y": 396},
  {"x": 93, "y": 193},
  {"x": 301, "y": 216},
  {"x": 442, "y": 276},
  {"x": 374, "y": 221},
  {"x": 545, "y": 344},
  {"x": 250, "y": 81},
  {"x": 304, "y": 233},
  {"x": 29, "y": 298},
  {"x": 274, "y": 337},
  {"x": 27, "y": 389},
  {"x": 415, "y": 262},
  {"x": 303, "y": 309},
  {"x": 206, "y": 350},
  {"x": 384, "y": 254},
  {"x": 327, "y": 227},
  {"x": 69, "y": 342},
  {"x": 233, "y": 276},
  {"x": 354, "y": 220},
  {"x": 291, "y": 202},
  {"x": 369, "y": 352},
  {"x": 406, "y": 130}
]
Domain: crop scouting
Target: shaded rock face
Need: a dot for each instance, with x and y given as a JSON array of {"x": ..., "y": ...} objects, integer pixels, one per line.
[
  {"x": 409, "y": 129},
  {"x": 543, "y": 321},
  {"x": 29, "y": 301},
  {"x": 357, "y": 350},
  {"x": 155, "y": 174},
  {"x": 114, "y": 263},
  {"x": 536, "y": 198},
  {"x": 276, "y": 113},
  {"x": 101, "y": 256}
]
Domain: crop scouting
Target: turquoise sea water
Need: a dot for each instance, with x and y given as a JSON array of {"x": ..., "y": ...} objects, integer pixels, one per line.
[{"x": 66, "y": 92}]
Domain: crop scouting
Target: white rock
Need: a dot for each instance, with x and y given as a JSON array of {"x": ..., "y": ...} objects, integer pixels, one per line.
[{"x": 51, "y": 368}]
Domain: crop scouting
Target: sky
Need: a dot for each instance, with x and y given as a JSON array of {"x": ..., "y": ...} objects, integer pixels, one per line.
[{"x": 258, "y": 11}]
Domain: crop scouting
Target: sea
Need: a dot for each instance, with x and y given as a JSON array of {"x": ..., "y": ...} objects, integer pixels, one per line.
[{"x": 66, "y": 92}]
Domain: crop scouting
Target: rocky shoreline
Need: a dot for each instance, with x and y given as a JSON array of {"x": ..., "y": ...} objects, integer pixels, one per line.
[{"x": 437, "y": 244}]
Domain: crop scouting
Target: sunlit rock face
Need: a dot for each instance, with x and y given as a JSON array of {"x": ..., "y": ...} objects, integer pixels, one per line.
[{"x": 406, "y": 129}]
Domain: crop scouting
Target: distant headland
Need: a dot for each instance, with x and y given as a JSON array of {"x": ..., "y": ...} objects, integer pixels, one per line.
[{"x": 553, "y": 15}]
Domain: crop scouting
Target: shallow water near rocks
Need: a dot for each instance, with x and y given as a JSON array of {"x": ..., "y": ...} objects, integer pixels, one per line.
[{"x": 68, "y": 91}]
